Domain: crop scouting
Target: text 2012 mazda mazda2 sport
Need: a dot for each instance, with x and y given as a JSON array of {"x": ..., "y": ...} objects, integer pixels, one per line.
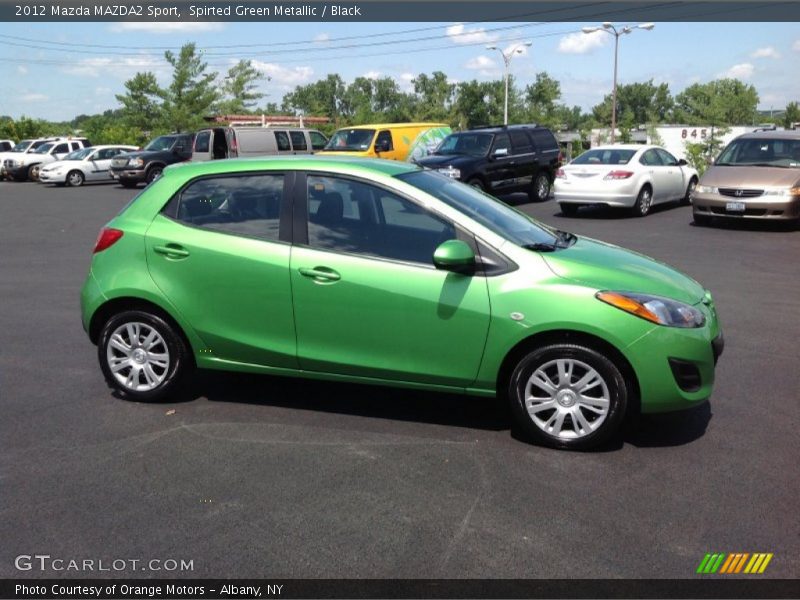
[{"x": 381, "y": 272}]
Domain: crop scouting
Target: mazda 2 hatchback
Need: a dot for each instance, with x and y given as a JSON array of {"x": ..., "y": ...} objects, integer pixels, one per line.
[{"x": 381, "y": 272}]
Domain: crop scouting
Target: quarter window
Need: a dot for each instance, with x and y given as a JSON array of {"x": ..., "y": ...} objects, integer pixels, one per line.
[
  {"x": 282, "y": 140},
  {"x": 354, "y": 217},
  {"x": 202, "y": 141},
  {"x": 247, "y": 205},
  {"x": 384, "y": 138}
]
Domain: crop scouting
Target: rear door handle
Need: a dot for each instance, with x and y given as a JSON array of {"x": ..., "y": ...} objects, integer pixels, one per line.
[
  {"x": 172, "y": 251},
  {"x": 320, "y": 274}
]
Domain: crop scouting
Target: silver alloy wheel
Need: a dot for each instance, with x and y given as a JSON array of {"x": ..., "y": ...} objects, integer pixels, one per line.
[
  {"x": 137, "y": 356},
  {"x": 567, "y": 398},
  {"x": 542, "y": 187},
  {"x": 74, "y": 178},
  {"x": 647, "y": 200}
]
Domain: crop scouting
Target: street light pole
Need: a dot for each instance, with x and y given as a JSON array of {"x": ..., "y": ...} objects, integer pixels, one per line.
[
  {"x": 611, "y": 30},
  {"x": 518, "y": 49}
]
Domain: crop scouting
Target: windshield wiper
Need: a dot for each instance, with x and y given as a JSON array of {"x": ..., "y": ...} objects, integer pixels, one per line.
[{"x": 541, "y": 247}]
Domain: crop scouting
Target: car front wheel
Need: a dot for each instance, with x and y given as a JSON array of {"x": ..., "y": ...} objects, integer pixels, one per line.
[
  {"x": 143, "y": 357},
  {"x": 75, "y": 179},
  {"x": 568, "y": 396}
]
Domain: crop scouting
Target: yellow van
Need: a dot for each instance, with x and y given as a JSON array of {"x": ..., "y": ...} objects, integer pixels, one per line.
[{"x": 393, "y": 141}]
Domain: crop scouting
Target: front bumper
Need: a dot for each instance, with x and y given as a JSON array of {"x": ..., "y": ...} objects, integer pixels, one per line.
[
  {"x": 20, "y": 172},
  {"x": 675, "y": 367},
  {"x": 52, "y": 177},
  {"x": 761, "y": 207},
  {"x": 127, "y": 175}
]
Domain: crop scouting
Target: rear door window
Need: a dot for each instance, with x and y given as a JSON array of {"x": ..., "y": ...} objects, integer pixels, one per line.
[
  {"x": 298, "y": 141},
  {"x": 521, "y": 142},
  {"x": 282, "y": 141}
]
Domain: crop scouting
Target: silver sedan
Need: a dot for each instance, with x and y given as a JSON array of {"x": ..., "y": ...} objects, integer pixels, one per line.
[
  {"x": 633, "y": 176},
  {"x": 87, "y": 164}
]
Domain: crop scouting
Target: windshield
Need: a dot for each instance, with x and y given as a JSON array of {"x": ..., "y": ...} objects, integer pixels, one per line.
[
  {"x": 351, "y": 140},
  {"x": 79, "y": 154},
  {"x": 44, "y": 148},
  {"x": 512, "y": 225},
  {"x": 164, "y": 142},
  {"x": 471, "y": 144},
  {"x": 764, "y": 152},
  {"x": 21, "y": 146},
  {"x": 604, "y": 156}
]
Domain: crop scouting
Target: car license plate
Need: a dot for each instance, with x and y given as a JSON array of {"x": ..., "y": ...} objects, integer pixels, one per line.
[{"x": 734, "y": 206}]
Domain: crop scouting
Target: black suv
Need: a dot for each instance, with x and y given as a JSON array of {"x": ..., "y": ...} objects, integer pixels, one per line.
[
  {"x": 500, "y": 159},
  {"x": 146, "y": 165}
]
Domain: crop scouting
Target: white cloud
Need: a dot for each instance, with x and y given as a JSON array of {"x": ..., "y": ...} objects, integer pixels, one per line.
[
  {"x": 796, "y": 46},
  {"x": 322, "y": 38},
  {"x": 768, "y": 52},
  {"x": 479, "y": 62},
  {"x": 168, "y": 26},
  {"x": 124, "y": 67},
  {"x": 372, "y": 74},
  {"x": 34, "y": 98},
  {"x": 740, "y": 71},
  {"x": 520, "y": 49},
  {"x": 581, "y": 43},
  {"x": 22, "y": 70},
  {"x": 284, "y": 77},
  {"x": 99, "y": 91},
  {"x": 405, "y": 81},
  {"x": 461, "y": 35}
]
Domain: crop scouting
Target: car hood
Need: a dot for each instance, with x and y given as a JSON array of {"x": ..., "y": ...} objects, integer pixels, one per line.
[
  {"x": 60, "y": 163},
  {"x": 433, "y": 161},
  {"x": 608, "y": 267},
  {"x": 750, "y": 177},
  {"x": 140, "y": 154}
]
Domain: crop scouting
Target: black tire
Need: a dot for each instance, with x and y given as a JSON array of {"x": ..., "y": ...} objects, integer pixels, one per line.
[
  {"x": 540, "y": 190},
  {"x": 569, "y": 210},
  {"x": 153, "y": 173},
  {"x": 687, "y": 197},
  {"x": 613, "y": 386},
  {"x": 477, "y": 183},
  {"x": 75, "y": 179},
  {"x": 701, "y": 220},
  {"x": 179, "y": 359},
  {"x": 128, "y": 184},
  {"x": 29, "y": 173},
  {"x": 644, "y": 201}
]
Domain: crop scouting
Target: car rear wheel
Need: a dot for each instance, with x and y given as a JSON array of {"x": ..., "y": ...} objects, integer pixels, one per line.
[
  {"x": 75, "y": 179},
  {"x": 568, "y": 396},
  {"x": 701, "y": 220},
  {"x": 644, "y": 201},
  {"x": 569, "y": 210},
  {"x": 541, "y": 188},
  {"x": 477, "y": 183},
  {"x": 143, "y": 357}
]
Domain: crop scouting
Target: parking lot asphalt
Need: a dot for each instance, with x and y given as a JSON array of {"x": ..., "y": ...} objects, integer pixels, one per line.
[{"x": 270, "y": 477}]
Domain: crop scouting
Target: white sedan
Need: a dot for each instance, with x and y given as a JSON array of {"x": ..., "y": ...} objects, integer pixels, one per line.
[
  {"x": 87, "y": 164},
  {"x": 633, "y": 176}
]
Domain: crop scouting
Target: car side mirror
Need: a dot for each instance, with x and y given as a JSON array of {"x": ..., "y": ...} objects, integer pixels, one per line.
[
  {"x": 454, "y": 255},
  {"x": 382, "y": 146},
  {"x": 682, "y": 162},
  {"x": 500, "y": 152}
]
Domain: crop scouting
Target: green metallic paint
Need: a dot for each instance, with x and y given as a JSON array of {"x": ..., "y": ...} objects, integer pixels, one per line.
[
  {"x": 454, "y": 254},
  {"x": 244, "y": 304}
]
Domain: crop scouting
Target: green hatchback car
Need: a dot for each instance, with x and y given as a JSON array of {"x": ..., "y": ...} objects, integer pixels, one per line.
[{"x": 385, "y": 273}]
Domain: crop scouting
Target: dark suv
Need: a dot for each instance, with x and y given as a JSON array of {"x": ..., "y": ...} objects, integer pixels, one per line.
[
  {"x": 146, "y": 165},
  {"x": 500, "y": 159}
]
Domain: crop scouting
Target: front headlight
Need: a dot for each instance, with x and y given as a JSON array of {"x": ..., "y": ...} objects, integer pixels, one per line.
[
  {"x": 662, "y": 311},
  {"x": 706, "y": 189},
  {"x": 450, "y": 172},
  {"x": 136, "y": 163},
  {"x": 12, "y": 164},
  {"x": 793, "y": 191}
]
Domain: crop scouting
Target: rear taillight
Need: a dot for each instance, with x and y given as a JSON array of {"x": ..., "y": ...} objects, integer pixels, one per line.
[
  {"x": 619, "y": 175},
  {"x": 560, "y": 157},
  {"x": 107, "y": 238},
  {"x": 560, "y": 174}
]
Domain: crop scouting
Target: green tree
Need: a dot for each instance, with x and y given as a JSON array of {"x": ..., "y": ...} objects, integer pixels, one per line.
[
  {"x": 791, "y": 115},
  {"x": 433, "y": 97},
  {"x": 239, "y": 88},
  {"x": 191, "y": 94},
  {"x": 717, "y": 103},
  {"x": 645, "y": 102},
  {"x": 141, "y": 104},
  {"x": 542, "y": 98},
  {"x": 323, "y": 98}
]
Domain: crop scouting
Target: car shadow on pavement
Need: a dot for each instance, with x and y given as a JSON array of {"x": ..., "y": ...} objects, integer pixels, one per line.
[
  {"x": 601, "y": 212},
  {"x": 752, "y": 225},
  {"x": 370, "y": 401},
  {"x": 669, "y": 429}
]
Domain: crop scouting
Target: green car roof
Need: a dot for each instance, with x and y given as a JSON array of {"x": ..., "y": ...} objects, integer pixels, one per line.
[{"x": 310, "y": 162}]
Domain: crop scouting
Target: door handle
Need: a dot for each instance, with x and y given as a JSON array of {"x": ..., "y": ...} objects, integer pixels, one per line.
[
  {"x": 172, "y": 251},
  {"x": 320, "y": 273}
]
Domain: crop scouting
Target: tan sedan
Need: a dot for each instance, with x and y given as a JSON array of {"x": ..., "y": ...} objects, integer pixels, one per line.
[{"x": 757, "y": 176}]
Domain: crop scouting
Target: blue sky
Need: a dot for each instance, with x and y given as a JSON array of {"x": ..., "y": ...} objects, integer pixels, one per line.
[{"x": 69, "y": 72}]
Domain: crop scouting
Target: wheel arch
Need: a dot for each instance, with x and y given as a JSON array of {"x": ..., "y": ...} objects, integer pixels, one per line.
[
  {"x": 115, "y": 305},
  {"x": 570, "y": 336}
]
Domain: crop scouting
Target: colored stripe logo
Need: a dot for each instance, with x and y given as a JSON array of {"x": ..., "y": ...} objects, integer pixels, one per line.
[{"x": 737, "y": 562}]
